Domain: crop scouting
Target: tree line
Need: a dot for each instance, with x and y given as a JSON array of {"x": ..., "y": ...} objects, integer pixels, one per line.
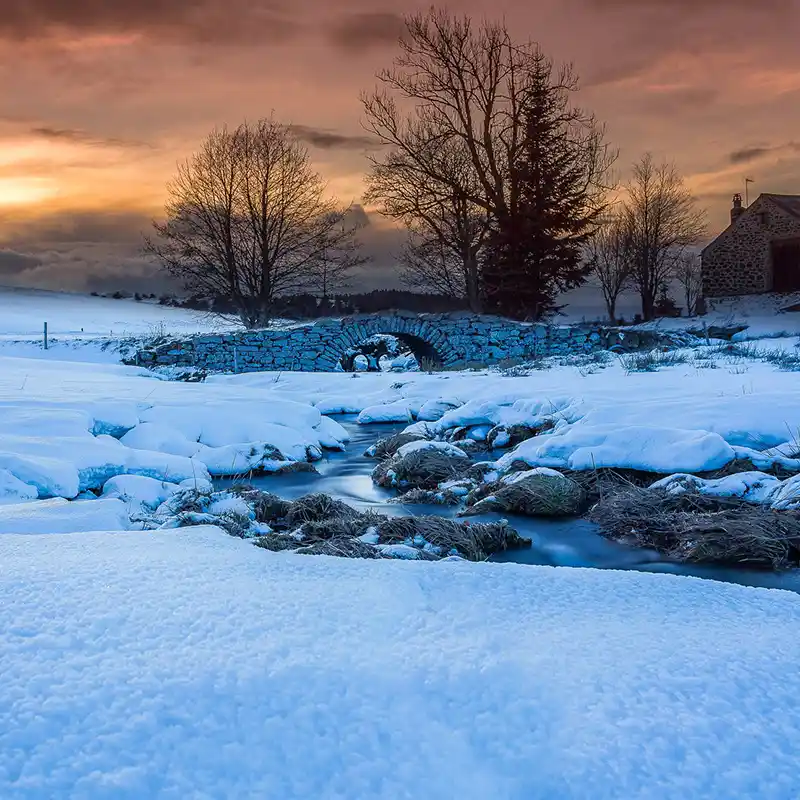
[{"x": 505, "y": 186}]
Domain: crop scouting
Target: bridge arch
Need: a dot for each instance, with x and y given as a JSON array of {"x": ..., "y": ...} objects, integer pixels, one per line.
[{"x": 425, "y": 341}]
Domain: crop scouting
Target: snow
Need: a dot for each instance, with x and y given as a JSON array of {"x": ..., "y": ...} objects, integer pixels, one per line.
[
  {"x": 754, "y": 487},
  {"x": 787, "y": 496},
  {"x": 185, "y": 663},
  {"x": 651, "y": 449},
  {"x": 24, "y": 311},
  {"x": 400, "y": 411},
  {"x": 13, "y": 490},
  {"x": 61, "y": 516},
  {"x": 139, "y": 491},
  {"x": 68, "y": 427},
  {"x": 443, "y": 447}
]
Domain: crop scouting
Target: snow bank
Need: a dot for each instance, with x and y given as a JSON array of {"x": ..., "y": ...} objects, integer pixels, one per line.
[
  {"x": 13, "y": 490},
  {"x": 754, "y": 487},
  {"x": 138, "y": 491},
  {"x": 400, "y": 411},
  {"x": 62, "y": 516},
  {"x": 187, "y": 664},
  {"x": 651, "y": 449}
]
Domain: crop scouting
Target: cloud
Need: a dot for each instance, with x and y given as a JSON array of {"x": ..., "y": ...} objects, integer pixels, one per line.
[
  {"x": 12, "y": 262},
  {"x": 332, "y": 140},
  {"x": 102, "y": 252},
  {"x": 355, "y": 32},
  {"x": 77, "y": 136},
  {"x": 675, "y": 101},
  {"x": 757, "y": 7},
  {"x": 71, "y": 227},
  {"x": 188, "y": 20},
  {"x": 747, "y": 154}
]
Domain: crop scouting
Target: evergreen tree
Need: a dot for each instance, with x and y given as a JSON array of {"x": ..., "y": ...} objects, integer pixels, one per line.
[{"x": 556, "y": 199}]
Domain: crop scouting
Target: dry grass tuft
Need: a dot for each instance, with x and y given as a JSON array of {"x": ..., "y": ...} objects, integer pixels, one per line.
[
  {"x": 476, "y": 541},
  {"x": 317, "y": 507},
  {"x": 540, "y": 495},
  {"x": 343, "y": 547},
  {"x": 268, "y": 507},
  {"x": 441, "y": 497},
  {"x": 385, "y": 448},
  {"x": 277, "y": 542},
  {"x": 420, "y": 469},
  {"x": 692, "y": 528}
]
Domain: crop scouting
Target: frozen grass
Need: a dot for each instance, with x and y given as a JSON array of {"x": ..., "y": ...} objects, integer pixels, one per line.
[
  {"x": 317, "y": 524},
  {"x": 652, "y": 360},
  {"x": 474, "y": 541},
  {"x": 689, "y": 527},
  {"x": 420, "y": 469},
  {"x": 440, "y": 497},
  {"x": 544, "y": 493},
  {"x": 388, "y": 446}
]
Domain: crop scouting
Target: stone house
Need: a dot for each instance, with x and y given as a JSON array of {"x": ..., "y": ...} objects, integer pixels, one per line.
[{"x": 758, "y": 252}]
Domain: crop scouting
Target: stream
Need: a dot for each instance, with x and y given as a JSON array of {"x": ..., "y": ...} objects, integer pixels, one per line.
[{"x": 556, "y": 542}]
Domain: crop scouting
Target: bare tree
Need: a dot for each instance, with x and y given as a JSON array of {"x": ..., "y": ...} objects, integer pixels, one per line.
[
  {"x": 465, "y": 88},
  {"x": 689, "y": 275},
  {"x": 610, "y": 258},
  {"x": 247, "y": 219},
  {"x": 447, "y": 230},
  {"x": 662, "y": 220}
]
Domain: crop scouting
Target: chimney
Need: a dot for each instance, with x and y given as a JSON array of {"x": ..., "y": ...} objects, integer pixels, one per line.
[{"x": 737, "y": 209}]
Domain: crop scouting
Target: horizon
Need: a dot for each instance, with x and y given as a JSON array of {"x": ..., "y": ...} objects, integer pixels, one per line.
[{"x": 105, "y": 103}]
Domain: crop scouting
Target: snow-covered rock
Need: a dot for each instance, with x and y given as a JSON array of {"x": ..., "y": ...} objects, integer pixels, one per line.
[
  {"x": 139, "y": 491},
  {"x": 754, "y": 487},
  {"x": 646, "y": 448},
  {"x": 422, "y": 444},
  {"x": 399, "y": 411}
]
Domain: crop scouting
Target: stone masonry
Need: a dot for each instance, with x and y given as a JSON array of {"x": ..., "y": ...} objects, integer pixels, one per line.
[
  {"x": 739, "y": 260},
  {"x": 450, "y": 340}
]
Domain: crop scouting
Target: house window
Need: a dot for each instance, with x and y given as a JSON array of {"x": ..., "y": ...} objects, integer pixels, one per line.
[{"x": 763, "y": 217}]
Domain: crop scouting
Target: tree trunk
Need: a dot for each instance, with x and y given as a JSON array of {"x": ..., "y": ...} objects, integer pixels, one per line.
[
  {"x": 611, "y": 309},
  {"x": 473, "y": 284},
  {"x": 648, "y": 305}
]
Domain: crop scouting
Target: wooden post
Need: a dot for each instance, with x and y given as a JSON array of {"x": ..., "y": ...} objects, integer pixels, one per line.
[
  {"x": 45, "y": 336},
  {"x": 235, "y": 360}
]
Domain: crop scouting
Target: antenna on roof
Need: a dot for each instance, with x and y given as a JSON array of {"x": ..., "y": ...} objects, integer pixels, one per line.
[{"x": 747, "y": 182}]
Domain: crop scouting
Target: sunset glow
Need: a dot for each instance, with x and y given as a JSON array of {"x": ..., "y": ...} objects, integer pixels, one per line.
[{"x": 100, "y": 105}]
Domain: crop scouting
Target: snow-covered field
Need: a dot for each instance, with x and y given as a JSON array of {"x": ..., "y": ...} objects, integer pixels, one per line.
[
  {"x": 187, "y": 663},
  {"x": 23, "y": 313}
]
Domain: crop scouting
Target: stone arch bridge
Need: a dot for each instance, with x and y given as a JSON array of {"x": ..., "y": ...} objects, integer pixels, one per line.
[{"x": 449, "y": 340}]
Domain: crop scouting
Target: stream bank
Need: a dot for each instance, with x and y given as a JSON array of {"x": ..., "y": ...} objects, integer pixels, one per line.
[{"x": 346, "y": 476}]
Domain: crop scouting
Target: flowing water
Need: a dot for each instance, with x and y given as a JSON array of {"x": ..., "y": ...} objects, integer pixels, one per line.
[{"x": 563, "y": 543}]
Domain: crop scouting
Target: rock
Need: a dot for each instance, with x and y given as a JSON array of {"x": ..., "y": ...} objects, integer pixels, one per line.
[{"x": 539, "y": 492}]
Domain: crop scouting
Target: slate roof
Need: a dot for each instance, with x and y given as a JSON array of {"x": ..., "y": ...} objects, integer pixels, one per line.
[{"x": 789, "y": 203}]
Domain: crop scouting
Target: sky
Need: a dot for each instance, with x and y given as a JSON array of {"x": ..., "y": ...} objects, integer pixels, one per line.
[{"x": 101, "y": 99}]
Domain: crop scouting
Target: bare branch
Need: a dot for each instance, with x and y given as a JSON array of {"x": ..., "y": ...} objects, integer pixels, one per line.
[{"x": 247, "y": 219}]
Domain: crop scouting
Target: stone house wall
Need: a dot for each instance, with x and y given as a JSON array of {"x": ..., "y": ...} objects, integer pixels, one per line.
[{"x": 739, "y": 260}]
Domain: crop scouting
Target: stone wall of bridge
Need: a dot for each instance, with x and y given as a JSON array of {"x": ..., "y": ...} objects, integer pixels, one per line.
[{"x": 450, "y": 340}]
